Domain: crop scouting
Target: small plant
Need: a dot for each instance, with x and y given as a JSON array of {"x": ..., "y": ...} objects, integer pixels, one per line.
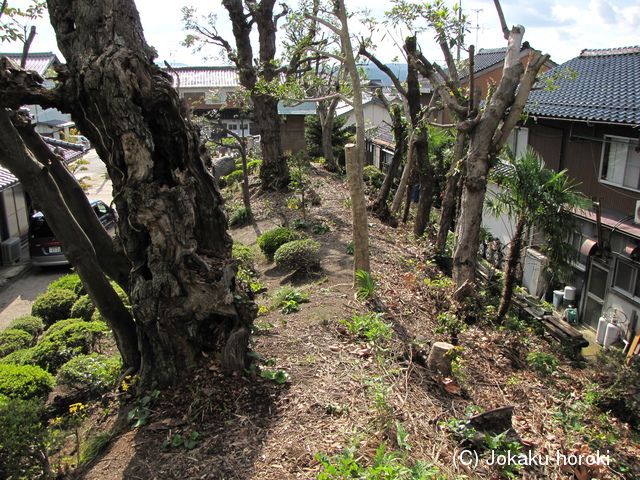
[
  {"x": 351, "y": 248},
  {"x": 370, "y": 326},
  {"x": 54, "y": 305},
  {"x": 298, "y": 255},
  {"x": 451, "y": 325},
  {"x": 241, "y": 217},
  {"x": 289, "y": 298},
  {"x": 96, "y": 372},
  {"x": 320, "y": 228},
  {"x": 373, "y": 177},
  {"x": 455, "y": 355},
  {"x": 542, "y": 362},
  {"x": 365, "y": 285},
  {"x": 189, "y": 442},
  {"x": 278, "y": 376},
  {"x": 142, "y": 411},
  {"x": 385, "y": 464},
  {"x": 300, "y": 224},
  {"x": 233, "y": 178}
]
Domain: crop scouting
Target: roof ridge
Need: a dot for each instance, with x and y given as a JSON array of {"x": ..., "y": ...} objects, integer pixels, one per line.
[{"x": 609, "y": 51}]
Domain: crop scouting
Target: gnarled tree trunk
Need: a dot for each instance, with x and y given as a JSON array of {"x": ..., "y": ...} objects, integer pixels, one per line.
[{"x": 171, "y": 222}]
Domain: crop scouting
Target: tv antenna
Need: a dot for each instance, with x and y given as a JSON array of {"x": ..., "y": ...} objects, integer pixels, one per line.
[{"x": 477, "y": 27}]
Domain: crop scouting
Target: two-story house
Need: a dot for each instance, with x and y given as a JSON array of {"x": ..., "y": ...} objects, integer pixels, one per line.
[{"x": 590, "y": 126}]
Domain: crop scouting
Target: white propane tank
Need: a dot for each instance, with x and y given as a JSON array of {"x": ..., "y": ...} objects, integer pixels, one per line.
[
  {"x": 611, "y": 335},
  {"x": 602, "y": 329},
  {"x": 569, "y": 295}
]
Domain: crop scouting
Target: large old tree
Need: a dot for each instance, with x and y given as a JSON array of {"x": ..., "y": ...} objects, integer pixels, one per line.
[{"x": 171, "y": 226}]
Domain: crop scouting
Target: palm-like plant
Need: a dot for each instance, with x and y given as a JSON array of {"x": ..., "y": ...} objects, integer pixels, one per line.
[{"x": 540, "y": 198}]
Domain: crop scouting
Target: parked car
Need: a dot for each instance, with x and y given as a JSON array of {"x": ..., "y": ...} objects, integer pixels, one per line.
[
  {"x": 44, "y": 247},
  {"x": 82, "y": 140}
]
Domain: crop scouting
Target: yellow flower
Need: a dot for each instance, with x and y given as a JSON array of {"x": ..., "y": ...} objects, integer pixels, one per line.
[
  {"x": 124, "y": 386},
  {"x": 76, "y": 407}
]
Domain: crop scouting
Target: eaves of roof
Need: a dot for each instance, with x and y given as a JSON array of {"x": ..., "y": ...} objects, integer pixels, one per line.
[
  {"x": 38, "y": 62},
  {"x": 204, "y": 77}
]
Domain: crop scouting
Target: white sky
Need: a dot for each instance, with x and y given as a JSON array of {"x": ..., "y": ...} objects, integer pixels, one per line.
[{"x": 561, "y": 28}]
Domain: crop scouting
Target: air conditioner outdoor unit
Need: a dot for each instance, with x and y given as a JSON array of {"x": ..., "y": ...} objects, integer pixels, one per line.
[
  {"x": 11, "y": 250},
  {"x": 637, "y": 212}
]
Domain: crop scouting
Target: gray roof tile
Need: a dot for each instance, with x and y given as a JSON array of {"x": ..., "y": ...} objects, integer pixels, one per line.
[{"x": 606, "y": 89}]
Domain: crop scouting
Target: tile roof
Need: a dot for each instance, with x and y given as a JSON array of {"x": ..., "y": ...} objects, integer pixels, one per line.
[
  {"x": 205, "y": 77},
  {"x": 69, "y": 151},
  {"x": 303, "y": 108},
  {"x": 606, "y": 89},
  {"x": 38, "y": 62},
  {"x": 384, "y": 135},
  {"x": 7, "y": 179}
]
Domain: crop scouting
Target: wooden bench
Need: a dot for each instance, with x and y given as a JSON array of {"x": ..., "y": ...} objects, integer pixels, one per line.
[{"x": 564, "y": 332}]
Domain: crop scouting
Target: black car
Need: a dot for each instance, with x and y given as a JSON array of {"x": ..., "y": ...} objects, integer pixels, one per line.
[{"x": 44, "y": 247}]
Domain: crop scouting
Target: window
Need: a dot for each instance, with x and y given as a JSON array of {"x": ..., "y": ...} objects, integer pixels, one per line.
[
  {"x": 518, "y": 141},
  {"x": 626, "y": 278},
  {"x": 621, "y": 162}
]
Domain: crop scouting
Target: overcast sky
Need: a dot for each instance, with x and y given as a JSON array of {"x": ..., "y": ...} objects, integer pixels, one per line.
[{"x": 561, "y": 28}]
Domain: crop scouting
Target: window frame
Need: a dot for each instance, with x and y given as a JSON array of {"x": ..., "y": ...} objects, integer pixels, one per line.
[{"x": 607, "y": 141}]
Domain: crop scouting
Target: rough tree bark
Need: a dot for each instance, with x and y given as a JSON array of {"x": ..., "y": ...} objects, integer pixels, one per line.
[{"x": 171, "y": 222}]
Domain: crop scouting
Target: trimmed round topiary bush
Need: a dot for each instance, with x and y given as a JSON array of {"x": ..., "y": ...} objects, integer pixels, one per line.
[
  {"x": 83, "y": 308},
  {"x": 299, "y": 255},
  {"x": 95, "y": 371},
  {"x": 13, "y": 340},
  {"x": 28, "y": 323},
  {"x": 269, "y": 242},
  {"x": 54, "y": 305},
  {"x": 234, "y": 177},
  {"x": 23, "y": 436},
  {"x": 65, "y": 340},
  {"x": 24, "y": 381},
  {"x": 68, "y": 282}
]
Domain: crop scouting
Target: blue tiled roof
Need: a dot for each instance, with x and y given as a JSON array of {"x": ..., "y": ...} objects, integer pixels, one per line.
[{"x": 606, "y": 89}]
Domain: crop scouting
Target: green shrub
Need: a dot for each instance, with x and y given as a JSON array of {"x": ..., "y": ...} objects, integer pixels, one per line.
[
  {"x": 298, "y": 255},
  {"x": 83, "y": 308},
  {"x": 53, "y": 305},
  {"x": 373, "y": 176},
  {"x": 233, "y": 178},
  {"x": 244, "y": 255},
  {"x": 241, "y": 217},
  {"x": 19, "y": 357},
  {"x": 65, "y": 340},
  {"x": 121, "y": 293},
  {"x": 68, "y": 282},
  {"x": 23, "y": 436},
  {"x": 24, "y": 381},
  {"x": 28, "y": 323},
  {"x": 253, "y": 165},
  {"x": 13, "y": 340},
  {"x": 95, "y": 371},
  {"x": 270, "y": 242}
]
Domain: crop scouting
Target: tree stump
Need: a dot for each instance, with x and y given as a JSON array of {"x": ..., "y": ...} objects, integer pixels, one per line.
[{"x": 438, "y": 359}]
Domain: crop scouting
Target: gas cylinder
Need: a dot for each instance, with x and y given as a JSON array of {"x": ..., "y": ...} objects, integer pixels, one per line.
[{"x": 611, "y": 335}]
